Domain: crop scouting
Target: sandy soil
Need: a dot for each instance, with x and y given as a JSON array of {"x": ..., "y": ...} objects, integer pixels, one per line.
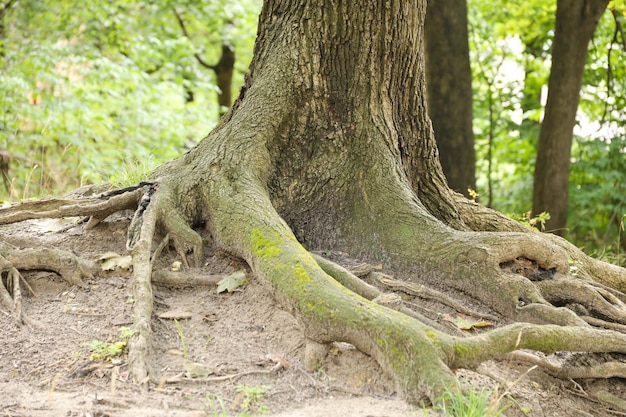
[{"x": 215, "y": 359}]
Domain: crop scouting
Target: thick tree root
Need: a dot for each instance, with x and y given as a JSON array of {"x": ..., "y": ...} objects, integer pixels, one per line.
[
  {"x": 141, "y": 234},
  {"x": 13, "y": 303},
  {"x": 186, "y": 279},
  {"x": 416, "y": 351},
  {"x": 597, "y": 286},
  {"x": 355, "y": 284},
  {"x": 70, "y": 267},
  {"x": 611, "y": 369}
]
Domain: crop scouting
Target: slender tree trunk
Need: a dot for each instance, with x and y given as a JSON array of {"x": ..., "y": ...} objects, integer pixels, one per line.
[
  {"x": 449, "y": 79},
  {"x": 224, "y": 75},
  {"x": 576, "y": 21}
]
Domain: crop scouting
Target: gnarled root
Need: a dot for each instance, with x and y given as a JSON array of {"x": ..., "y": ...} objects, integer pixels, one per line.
[
  {"x": 587, "y": 285},
  {"x": 418, "y": 356},
  {"x": 326, "y": 297},
  {"x": 70, "y": 267},
  {"x": 13, "y": 303},
  {"x": 151, "y": 208}
]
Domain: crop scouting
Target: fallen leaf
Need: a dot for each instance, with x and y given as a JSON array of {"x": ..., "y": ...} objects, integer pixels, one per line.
[
  {"x": 108, "y": 255},
  {"x": 467, "y": 323},
  {"x": 232, "y": 282},
  {"x": 111, "y": 260},
  {"x": 197, "y": 370}
]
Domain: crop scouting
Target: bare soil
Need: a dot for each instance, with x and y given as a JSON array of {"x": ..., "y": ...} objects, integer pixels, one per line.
[{"x": 220, "y": 350}]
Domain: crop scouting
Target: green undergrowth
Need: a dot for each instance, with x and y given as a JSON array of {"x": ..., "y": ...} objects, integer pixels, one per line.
[
  {"x": 248, "y": 402},
  {"x": 483, "y": 402},
  {"x": 105, "y": 351}
]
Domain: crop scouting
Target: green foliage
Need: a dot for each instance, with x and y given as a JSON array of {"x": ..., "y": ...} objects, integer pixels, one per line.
[
  {"x": 87, "y": 89},
  {"x": 598, "y": 195},
  {"x": 472, "y": 403},
  {"x": 252, "y": 398},
  {"x": 537, "y": 222},
  {"x": 214, "y": 405},
  {"x": 104, "y": 351},
  {"x": 509, "y": 72},
  {"x": 181, "y": 335},
  {"x": 510, "y": 45}
]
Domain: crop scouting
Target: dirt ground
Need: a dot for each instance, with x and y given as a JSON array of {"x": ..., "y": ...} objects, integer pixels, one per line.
[{"x": 216, "y": 358}]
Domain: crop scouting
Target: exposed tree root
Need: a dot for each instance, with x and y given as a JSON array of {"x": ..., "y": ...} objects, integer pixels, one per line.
[
  {"x": 189, "y": 279},
  {"x": 415, "y": 350},
  {"x": 611, "y": 369},
  {"x": 353, "y": 283},
  {"x": 13, "y": 303},
  {"x": 139, "y": 243},
  {"x": 70, "y": 267},
  {"x": 319, "y": 153},
  {"x": 605, "y": 370},
  {"x": 423, "y": 291},
  {"x": 599, "y": 287},
  {"x": 181, "y": 377},
  {"x": 100, "y": 206}
]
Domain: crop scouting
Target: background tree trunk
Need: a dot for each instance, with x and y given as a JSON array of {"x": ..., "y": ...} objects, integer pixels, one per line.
[
  {"x": 224, "y": 76},
  {"x": 576, "y": 21},
  {"x": 449, "y": 80}
]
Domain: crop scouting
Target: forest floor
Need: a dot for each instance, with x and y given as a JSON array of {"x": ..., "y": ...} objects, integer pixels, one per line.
[{"x": 226, "y": 354}]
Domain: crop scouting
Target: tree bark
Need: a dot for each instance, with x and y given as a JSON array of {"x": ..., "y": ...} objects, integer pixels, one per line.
[
  {"x": 576, "y": 21},
  {"x": 449, "y": 79},
  {"x": 329, "y": 146},
  {"x": 224, "y": 75}
]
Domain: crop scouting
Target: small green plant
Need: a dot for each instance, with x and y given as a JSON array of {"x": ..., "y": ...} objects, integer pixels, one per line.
[
  {"x": 620, "y": 230},
  {"x": 181, "y": 335},
  {"x": 537, "y": 222},
  {"x": 214, "y": 406},
  {"x": 253, "y": 398},
  {"x": 249, "y": 401},
  {"x": 473, "y": 194},
  {"x": 106, "y": 351},
  {"x": 133, "y": 172},
  {"x": 473, "y": 403}
]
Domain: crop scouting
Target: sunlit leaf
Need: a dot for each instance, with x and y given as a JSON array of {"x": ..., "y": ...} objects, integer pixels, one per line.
[
  {"x": 110, "y": 261},
  {"x": 467, "y": 323},
  {"x": 232, "y": 282}
]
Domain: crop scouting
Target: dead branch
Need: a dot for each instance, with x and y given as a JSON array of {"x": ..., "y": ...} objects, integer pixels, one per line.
[
  {"x": 140, "y": 343},
  {"x": 100, "y": 206}
]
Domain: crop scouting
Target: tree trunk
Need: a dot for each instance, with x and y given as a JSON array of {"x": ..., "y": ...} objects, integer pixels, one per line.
[
  {"x": 576, "y": 21},
  {"x": 449, "y": 79},
  {"x": 224, "y": 75},
  {"x": 329, "y": 146}
]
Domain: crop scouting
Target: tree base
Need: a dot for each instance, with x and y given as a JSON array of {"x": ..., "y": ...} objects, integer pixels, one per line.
[{"x": 429, "y": 348}]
